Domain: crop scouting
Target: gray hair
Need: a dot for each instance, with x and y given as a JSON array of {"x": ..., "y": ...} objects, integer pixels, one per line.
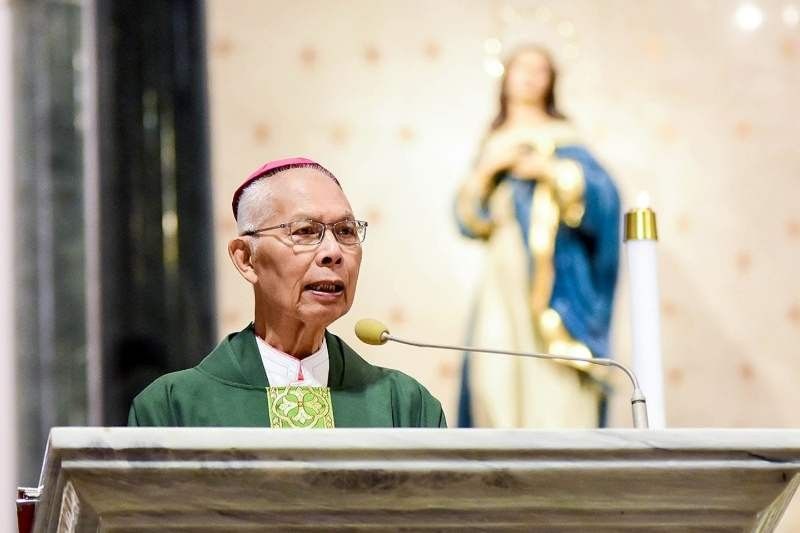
[{"x": 255, "y": 205}]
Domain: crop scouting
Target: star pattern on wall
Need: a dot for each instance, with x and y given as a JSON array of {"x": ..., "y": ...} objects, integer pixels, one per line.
[
  {"x": 746, "y": 371},
  {"x": 790, "y": 48},
  {"x": 374, "y": 215},
  {"x": 675, "y": 376},
  {"x": 793, "y": 315},
  {"x": 339, "y": 134},
  {"x": 308, "y": 56},
  {"x": 793, "y": 229},
  {"x": 432, "y": 50},
  {"x": 683, "y": 223},
  {"x": 230, "y": 316},
  {"x": 743, "y": 261},
  {"x": 669, "y": 308},
  {"x": 667, "y": 133},
  {"x": 397, "y": 315},
  {"x": 406, "y": 133},
  {"x": 654, "y": 48},
  {"x": 372, "y": 55},
  {"x": 226, "y": 224},
  {"x": 261, "y": 133},
  {"x": 222, "y": 47},
  {"x": 743, "y": 130},
  {"x": 447, "y": 369}
]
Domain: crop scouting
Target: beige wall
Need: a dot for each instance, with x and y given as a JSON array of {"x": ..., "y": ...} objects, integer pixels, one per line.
[
  {"x": 394, "y": 97},
  {"x": 674, "y": 97}
]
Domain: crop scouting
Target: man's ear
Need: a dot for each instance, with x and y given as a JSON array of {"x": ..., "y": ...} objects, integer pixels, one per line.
[{"x": 242, "y": 255}]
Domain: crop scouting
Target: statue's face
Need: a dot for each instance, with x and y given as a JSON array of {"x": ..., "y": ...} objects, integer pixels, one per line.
[
  {"x": 314, "y": 284},
  {"x": 528, "y": 77}
]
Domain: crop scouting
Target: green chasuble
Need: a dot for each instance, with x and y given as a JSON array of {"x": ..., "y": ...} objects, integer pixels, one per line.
[{"x": 230, "y": 388}]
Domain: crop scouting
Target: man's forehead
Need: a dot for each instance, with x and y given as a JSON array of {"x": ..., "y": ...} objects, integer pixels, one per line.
[
  {"x": 304, "y": 181},
  {"x": 308, "y": 192}
]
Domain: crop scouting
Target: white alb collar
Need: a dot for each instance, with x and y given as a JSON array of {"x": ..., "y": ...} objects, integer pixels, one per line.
[{"x": 283, "y": 369}]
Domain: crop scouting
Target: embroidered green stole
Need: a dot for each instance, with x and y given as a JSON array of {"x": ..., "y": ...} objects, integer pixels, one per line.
[{"x": 298, "y": 406}]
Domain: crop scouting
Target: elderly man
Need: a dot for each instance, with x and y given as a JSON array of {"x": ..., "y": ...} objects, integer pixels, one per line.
[{"x": 299, "y": 246}]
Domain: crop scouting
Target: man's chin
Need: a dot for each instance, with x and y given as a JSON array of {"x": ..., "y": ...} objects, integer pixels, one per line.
[{"x": 324, "y": 315}]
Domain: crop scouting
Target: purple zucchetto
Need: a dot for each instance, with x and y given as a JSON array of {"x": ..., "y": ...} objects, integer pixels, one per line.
[{"x": 273, "y": 167}]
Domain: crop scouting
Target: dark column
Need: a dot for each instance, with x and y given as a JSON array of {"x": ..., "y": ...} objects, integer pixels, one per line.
[
  {"x": 113, "y": 225},
  {"x": 156, "y": 237}
]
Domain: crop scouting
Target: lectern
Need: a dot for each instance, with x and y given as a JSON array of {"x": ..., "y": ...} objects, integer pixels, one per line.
[{"x": 215, "y": 480}]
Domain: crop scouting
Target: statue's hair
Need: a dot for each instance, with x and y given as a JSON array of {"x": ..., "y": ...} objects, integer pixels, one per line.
[{"x": 550, "y": 104}]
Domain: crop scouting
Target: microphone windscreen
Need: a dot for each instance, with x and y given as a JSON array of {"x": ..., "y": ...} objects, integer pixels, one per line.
[{"x": 371, "y": 331}]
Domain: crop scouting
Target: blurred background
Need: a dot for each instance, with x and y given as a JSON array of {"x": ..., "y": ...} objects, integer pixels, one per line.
[{"x": 133, "y": 122}]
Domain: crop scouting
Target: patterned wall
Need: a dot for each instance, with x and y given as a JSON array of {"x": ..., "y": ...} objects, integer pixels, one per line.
[
  {"x": 682, "y": 103},
  {"x": 693, "y": 101}
]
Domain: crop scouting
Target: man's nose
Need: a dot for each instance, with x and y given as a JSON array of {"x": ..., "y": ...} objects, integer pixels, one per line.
[{"x": 330, "y": 251}]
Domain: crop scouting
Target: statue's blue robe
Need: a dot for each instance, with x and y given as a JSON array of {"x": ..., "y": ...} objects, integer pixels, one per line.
[{"x": 585, "y": 258}]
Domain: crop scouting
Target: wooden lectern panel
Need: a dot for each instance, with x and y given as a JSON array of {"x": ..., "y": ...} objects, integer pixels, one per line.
[{"x": 190, "y": 479}]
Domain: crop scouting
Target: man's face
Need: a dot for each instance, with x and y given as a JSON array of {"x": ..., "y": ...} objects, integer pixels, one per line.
[{"x": 312, "y": 283}]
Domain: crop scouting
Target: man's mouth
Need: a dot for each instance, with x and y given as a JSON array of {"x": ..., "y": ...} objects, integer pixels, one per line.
[{"x": 329, "y": 287}]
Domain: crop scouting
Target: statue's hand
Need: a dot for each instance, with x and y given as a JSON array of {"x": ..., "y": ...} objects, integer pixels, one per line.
[
  {"x": 532, "y": 166},
  {"x": 497, "y": 158}
]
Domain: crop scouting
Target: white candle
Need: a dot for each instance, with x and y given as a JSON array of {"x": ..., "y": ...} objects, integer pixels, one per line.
[{"x": 641, "y": 238}]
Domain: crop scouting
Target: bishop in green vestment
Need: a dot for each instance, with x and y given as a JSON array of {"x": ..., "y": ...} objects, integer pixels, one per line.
[
  {"x": 229, "y": 388},
  {"x": 299, "y": 246}
]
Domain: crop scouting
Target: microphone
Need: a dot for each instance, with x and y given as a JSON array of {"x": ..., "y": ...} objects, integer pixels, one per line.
[{"x": 373, "y": 332}]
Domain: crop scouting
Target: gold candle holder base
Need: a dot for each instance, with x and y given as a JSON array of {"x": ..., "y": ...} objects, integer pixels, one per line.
[{"x": 640, "y": 225}]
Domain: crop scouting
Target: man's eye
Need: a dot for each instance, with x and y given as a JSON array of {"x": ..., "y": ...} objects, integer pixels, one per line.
[
  {"x": 304, "y": 230},
  {"x": 346, "y": 230}
]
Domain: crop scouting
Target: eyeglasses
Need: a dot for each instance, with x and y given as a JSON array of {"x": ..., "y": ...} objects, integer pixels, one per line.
[{"x": 311, "y": 232}]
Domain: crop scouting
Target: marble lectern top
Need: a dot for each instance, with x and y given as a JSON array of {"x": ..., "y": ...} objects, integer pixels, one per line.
[{"x": 200, "y": 479}]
